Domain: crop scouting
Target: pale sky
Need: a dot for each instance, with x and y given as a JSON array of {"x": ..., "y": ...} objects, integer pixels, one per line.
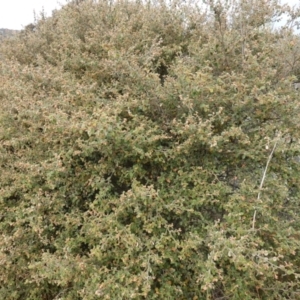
[{"x": 15, "y": 14}]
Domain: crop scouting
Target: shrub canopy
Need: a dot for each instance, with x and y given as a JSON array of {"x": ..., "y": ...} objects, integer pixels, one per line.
[{"x": 150, "y": 150}]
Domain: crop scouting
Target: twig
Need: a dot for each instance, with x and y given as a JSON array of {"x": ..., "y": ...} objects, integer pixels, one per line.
[{"x": 262, "y": 181}]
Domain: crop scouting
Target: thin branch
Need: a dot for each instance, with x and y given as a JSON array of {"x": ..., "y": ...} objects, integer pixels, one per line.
[{"x": 263, "y": 180}]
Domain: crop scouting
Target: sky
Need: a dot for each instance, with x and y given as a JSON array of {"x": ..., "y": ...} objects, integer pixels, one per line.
[{"x": 16, "y": 14}]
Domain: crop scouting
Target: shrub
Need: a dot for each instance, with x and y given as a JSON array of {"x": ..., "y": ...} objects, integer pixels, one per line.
[{"x": 149, "y": 151}]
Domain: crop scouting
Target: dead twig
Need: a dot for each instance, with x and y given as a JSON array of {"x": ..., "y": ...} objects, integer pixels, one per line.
[{"x": 263, "y": 180}]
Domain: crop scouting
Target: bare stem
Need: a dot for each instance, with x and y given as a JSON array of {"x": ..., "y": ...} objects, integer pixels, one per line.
[{"x": 262, "y": 181}]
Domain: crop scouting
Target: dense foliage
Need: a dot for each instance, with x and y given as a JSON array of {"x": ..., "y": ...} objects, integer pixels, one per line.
[{"x": 150, "y": 150}]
